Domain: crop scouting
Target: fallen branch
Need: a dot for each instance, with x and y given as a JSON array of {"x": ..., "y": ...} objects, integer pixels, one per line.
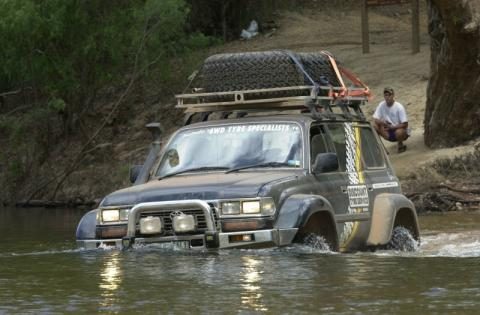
[{"x": 471, "y": 190}]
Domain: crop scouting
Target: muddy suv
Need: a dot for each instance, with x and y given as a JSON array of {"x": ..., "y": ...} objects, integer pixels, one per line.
[{"x": 263, "y": 166}]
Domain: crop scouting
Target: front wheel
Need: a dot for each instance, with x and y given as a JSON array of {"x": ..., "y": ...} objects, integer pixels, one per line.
[
  {"x": 402, "y": 240},
  {"x": 316, "y": 241}
]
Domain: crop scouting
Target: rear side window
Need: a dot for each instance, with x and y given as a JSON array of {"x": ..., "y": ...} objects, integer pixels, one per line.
[
  {"x": 364, "y": 148},
  {"x": 371, "y": 152}
]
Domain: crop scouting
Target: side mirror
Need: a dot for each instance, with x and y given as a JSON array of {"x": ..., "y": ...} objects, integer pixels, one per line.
[
  {"x": 325, "y": 162},
  {"x": 134, "y": 172}
]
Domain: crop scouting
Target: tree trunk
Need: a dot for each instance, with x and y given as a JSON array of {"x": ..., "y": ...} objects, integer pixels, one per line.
[{"x": 452, "y": 113}]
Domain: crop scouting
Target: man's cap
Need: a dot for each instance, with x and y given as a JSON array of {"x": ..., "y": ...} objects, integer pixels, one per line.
[{"x": 388, "y": 90}]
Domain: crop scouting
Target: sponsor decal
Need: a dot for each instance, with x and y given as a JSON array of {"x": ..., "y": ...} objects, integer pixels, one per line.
[
  {"x": 385, "y": 185},
  {"x": 252, "y": 128},
  {"x": 358, "y": 196}
]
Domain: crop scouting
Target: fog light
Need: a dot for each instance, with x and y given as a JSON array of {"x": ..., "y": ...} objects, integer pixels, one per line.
[
  {"x": 247, "y": 238},
  {"x": 150, "y": 225},
  {"x": 183, "y": 223},
  {"x": 241, "y": 238}
]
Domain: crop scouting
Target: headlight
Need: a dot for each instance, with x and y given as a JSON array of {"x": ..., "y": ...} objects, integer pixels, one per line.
[
  {"x": 263, "y": 206},
  {"x": 250, "y": 207},
  {"x": 111, "y": 215},
  {"x": 231, "y": 207}
]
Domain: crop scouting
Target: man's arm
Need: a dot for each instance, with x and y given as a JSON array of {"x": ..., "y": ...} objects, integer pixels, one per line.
[{"x": 399, "y": 126}]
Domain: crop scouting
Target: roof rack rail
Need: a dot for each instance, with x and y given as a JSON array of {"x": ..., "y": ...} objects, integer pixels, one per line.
[{"x": 322, "y": 101}]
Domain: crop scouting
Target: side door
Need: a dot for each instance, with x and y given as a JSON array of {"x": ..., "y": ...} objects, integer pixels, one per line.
[
  {"x": 328, "y": 184},
  {"x": 342, "y": 186},
  {"x": 353, "y": 221}
]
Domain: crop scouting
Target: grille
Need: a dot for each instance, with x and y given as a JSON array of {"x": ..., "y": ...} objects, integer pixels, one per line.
[{"x": 164, "y": 216}]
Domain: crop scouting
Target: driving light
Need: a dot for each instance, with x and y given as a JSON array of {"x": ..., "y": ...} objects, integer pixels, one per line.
[
  {"x": 231, "y": 207},
  {"x": 183, "y": 223},
  {"x": 150, "y": 225},
  {"x": 110, "y": 215},
  {"x": 250, "y": 207}
]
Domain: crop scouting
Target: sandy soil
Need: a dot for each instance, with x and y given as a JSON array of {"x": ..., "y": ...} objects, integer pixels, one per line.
[{"x": 389, "y": 63}]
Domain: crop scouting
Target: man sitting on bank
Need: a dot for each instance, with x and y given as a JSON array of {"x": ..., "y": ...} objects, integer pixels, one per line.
[{"x": 391, "y": 121}]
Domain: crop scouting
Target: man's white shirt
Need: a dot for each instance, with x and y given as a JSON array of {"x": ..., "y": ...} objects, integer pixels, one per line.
[{"x": 394, "y": 115}]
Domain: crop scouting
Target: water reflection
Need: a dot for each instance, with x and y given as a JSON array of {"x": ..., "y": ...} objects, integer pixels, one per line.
[
  {"x": 252, "y": 293},
  {"x": 111, "y": 278}
]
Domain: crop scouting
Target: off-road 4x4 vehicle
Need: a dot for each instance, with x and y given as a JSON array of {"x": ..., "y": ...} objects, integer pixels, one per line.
[{"x": 280, "y": 153}]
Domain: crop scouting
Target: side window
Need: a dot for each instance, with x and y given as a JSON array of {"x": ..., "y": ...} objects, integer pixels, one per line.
[
  {"x": 318, "y": 142},
  {"x": 371, "y": 152},
  {"x": 337, "y": 132}
]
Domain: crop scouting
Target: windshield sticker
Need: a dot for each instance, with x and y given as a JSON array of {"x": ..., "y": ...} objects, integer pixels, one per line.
[
  {"x": 251, "y": 128},
  {"x": 293, "y": 162},
  {"x": 287, "y": 128},
  {"x": 358, "y": 196}
]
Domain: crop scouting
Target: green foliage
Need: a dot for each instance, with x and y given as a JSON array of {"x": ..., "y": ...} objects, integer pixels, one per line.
[
  {"x": 65, "y": 51},
  {"x": 68, "y": 49}
]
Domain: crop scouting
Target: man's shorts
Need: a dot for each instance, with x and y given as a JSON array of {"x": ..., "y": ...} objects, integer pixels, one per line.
[{"x": 391, "y": 135}]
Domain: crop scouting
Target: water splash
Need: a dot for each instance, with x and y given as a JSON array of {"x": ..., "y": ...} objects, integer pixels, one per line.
[{"x": 465, "y": 244}]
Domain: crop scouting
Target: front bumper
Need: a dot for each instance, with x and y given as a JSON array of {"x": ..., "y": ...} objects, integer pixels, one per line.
[
  {"x": 258, "y": 238},
  {"x": 211, "y": 237}
]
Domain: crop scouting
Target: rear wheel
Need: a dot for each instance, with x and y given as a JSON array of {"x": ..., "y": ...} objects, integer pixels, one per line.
[{"x": 402, "y": 240}]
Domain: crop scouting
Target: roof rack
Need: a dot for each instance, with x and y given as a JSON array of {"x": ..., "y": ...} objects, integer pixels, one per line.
[{"x": 324, "y": 102}]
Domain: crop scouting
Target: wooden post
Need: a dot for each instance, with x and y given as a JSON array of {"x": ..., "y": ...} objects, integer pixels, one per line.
[
  {"x": 365, "y": 36},
  {"x": 415, "y": 27}
]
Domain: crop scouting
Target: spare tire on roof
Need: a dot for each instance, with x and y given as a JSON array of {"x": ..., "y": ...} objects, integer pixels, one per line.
[{"x": 264, "y": 70}]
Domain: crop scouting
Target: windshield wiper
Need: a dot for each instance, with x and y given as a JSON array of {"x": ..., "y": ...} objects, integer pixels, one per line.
[
  {"x": 195, "y": 169},
  {"x": 267, "y": 164}
]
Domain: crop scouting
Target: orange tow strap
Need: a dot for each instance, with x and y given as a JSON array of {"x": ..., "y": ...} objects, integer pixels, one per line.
[
  {"x": 352, "y": 77},
  {"x": 343, "y": 92},
  {"x": 339, "y": 71}
]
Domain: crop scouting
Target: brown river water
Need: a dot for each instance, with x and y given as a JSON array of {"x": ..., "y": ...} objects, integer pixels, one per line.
[{"x": 42, "y": 272}]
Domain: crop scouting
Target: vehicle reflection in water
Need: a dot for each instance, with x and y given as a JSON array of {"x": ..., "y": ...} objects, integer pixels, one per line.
[
  {"x": 252, "y": 293},
  {"x": 111, "y": 279}
]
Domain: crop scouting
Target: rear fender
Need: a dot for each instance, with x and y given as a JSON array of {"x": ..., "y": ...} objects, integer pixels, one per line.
[
  {"x": 390, "y": 210},
  {"x": 87, "y": 225},
  {"x": 298, "y": 209}
]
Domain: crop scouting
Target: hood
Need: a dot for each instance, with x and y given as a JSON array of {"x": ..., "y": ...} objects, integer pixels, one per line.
[{"x": 202, "y": 186}]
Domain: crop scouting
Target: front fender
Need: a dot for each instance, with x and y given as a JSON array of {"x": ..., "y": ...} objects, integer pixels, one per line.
[
  {"x": 296, "y": 211},
  {"x": 86, "y": 226},
  {"x": 387, "y": 209}
]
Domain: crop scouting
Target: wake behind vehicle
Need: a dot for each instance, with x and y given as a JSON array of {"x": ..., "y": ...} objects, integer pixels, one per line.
[{"x": 281, "y": 153}]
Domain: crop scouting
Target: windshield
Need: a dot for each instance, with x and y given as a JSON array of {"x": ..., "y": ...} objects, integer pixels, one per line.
[{"x": 232, "y": 146}]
